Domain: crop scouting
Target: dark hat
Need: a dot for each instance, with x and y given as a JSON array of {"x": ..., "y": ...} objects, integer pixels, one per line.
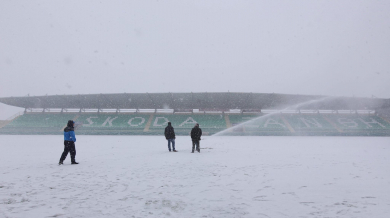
[
  {"x": 70, "y": 123},
  {"x": 169, "y": 123}
]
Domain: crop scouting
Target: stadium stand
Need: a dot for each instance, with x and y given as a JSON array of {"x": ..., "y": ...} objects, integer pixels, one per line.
[
  {"x": 237, "y": 113},
  {"x": 249, "y": 124}
]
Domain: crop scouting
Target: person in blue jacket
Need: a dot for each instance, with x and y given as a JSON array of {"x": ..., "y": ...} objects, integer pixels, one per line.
[{"x": 69, "y": 140}]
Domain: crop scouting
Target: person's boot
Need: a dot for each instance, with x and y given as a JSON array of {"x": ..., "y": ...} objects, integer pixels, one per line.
[
  {"x": 174, "y": 151},
  {"x": 198, "y": 150},
  {"x": 61, "y": 162},
  {"x": 192, "y": 151},
  {"x": 74, "y": 161}
]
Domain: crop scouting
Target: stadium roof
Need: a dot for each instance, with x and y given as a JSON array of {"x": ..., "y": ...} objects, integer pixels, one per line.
[{"x": 186, "y": 101}]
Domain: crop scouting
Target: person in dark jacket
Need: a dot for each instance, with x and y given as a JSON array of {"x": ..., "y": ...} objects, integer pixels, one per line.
[
  {"x": 170, "y": 136},
  {"x": 69, "y": 140},
  {"x": 196, "y": 133}
]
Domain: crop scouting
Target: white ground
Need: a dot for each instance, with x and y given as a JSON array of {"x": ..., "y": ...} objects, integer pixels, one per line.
[{"x": 136, "y": 176}]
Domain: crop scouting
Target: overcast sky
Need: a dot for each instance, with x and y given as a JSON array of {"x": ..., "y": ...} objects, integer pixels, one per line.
[{"x": 336, "y": 48}]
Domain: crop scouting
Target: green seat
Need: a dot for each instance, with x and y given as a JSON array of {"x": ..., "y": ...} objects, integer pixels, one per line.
[
  {"x": 41, "y": 120},
  {"x": 37, "y": 124}
]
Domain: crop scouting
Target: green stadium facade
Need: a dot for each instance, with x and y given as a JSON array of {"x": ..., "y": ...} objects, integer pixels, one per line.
[{"x": 339, "y": 117}]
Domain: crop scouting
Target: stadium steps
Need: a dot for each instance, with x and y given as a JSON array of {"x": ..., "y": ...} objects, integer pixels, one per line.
[
  {"x": 384, "y": 118},
  {"x": 149, "y": 123},
  {"x": 333, "y": 124},
  {"x": 76, "y": 117},
  {"x": 227, "y": 120},
  {"x": 4, "y": 123}
]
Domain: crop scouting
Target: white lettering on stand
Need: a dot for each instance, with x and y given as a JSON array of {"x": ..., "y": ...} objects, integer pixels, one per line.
[
  {"x": 140, "y": 123},
  {"x": 347, "y": 122},
  {"x": 109, "y": 121},
  {"x": 272, "y": 122},
  {"x": 90, "y": 122},
  {"x": 371, "y": 122},
  {"x": 157, "y": 119},
  {"x": 313, "y": 121},
  {"x": 189, "y": 120}
]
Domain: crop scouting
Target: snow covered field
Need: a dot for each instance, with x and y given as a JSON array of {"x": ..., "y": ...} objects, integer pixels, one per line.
[{"x": 136, "y": 176}]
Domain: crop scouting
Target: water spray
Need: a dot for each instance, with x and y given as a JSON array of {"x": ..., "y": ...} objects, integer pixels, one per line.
[{"x": 293, "y": 107}]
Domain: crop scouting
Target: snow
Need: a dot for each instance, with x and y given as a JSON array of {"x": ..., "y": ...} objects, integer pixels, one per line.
[{"x": 136, "y": 176}]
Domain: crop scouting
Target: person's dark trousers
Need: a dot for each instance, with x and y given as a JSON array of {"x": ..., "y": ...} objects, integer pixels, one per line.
[
  {"x": 173, "y": 144},
  {"x": 197, "y": 146},
  {"x": 69, "y": 148}
]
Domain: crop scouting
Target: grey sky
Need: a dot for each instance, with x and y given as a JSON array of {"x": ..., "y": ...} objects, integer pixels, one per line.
[{"x": 338, "y": 48}]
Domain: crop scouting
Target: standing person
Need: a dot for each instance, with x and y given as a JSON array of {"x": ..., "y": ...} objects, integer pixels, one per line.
[
  {"x": 69, "y": 140},
  {"x": 170, "y": 136},
  {"x": 196, "y": 133}
]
